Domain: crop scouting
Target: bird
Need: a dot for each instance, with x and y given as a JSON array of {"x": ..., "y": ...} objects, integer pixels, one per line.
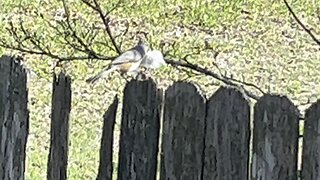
[
  {"x": 127, "y": 62},
  {"x": 153, "y": 60}
]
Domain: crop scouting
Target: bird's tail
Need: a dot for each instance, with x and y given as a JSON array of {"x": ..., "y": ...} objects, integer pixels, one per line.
[{"x": 101, "y": 74}]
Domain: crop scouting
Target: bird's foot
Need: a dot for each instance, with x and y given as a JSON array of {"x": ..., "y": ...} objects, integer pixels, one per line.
[{"x": 144, "y": 75}]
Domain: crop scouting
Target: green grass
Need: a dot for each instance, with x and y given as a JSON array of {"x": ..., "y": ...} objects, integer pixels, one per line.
[{"x": 264, "y": 46}]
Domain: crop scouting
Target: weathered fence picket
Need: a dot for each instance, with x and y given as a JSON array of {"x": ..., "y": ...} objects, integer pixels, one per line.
[
  {"x": 275, "y": 139},
  {"x": 311, "y": 143},
  {"x": 14, "y": 118},
  {"x": 139, "y": 131},
  {"x": 105, "y": 165},
  {"x": 183, "y": 133},
  {"x": 61, "y": 106},
  {"x": 227, "y": 136}
]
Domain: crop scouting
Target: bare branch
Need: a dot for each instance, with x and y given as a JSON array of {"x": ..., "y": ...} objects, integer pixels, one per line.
[
  {"x": 64, "y": 28},
  {"x": 244, "y": 83},
  {"x": 105, "y": 19},
  {"x": 227, "y": 80},
  {"x": 74, "y": 32},
  {"x": 302, "y": 25},
  {"x": 54, "y": 56},
  {"x": 39, "y": 47},
  {"x": 205, "y": 71}
]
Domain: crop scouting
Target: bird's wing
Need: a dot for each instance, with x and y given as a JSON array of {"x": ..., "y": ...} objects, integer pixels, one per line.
[
  {"x": 153, "y": 59},
  {"x": 132, "y": 55}
]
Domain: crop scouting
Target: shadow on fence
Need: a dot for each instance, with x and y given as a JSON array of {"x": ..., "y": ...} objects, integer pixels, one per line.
[{"x": 201, "y": 138}]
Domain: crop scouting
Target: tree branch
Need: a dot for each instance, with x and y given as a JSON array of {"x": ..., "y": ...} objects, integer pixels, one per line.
[
  {"x": 105, "y": 19},
  {"x": 23, "y": 37},
  {"x": 302, "y": 25},
  {"x": 51, "y": 55},
  {"x": 205, "y": 71}
]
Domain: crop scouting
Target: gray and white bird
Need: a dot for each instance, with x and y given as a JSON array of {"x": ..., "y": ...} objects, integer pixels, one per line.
[{"x": 127, "y": 62}]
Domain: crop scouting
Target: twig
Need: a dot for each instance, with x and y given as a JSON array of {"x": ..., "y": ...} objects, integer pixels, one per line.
[
  {"x": 96, "y": 7},
  {"x": 22, "y": 36},
  {"x": 244, "y": 83},
  {"x": 51, "y": 55},
  {"x": 74, "y": 33},
  {"x": 301, "y": 24},
  {"x": 212, "y": 74}
]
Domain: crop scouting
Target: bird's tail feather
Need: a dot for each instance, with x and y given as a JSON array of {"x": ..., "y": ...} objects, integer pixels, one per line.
[{"x": 101, "y": 74}]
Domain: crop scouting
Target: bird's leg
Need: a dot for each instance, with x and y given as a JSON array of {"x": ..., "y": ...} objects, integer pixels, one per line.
[
  {"x": 137, "y": 75},
  {"x": 142, "y": 73}
]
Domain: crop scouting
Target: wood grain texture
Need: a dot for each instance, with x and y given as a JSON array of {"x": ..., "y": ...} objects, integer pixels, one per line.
[
  {"x": 61, "y": 106},
  {"x": 106, "y": 149},
  {"x": 183, "y": 133},
  {"x": 227, "y": 136},
  {"x": 14, "y": 118},
  {"x": 311, "y": 143},
  {"x": 139, "y": 131},
  {"x": 275, "y": 139}
]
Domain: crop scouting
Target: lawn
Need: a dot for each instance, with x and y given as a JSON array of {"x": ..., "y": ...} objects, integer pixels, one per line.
[{"x": 258, "y": 42}]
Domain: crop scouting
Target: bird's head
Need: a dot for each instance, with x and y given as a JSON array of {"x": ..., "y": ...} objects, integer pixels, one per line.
[{"x": 145, "y": 47}]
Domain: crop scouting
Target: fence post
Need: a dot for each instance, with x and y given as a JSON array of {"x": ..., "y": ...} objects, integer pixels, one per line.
[
  {"x": 105, "y": 165},
  {"x": 275, "y": 139},
  {"x": 227, "y": 136},
  {"x": 14, "y": 118},
  {"x": 311, "y": 143},
  {"x": 139, "y": 131},
  {"x": 61, "y": 106},
  {"x": 183, "y": 133}
]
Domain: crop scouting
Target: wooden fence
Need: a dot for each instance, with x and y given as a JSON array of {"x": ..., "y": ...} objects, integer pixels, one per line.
[{"x": 201, "y": 139}]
